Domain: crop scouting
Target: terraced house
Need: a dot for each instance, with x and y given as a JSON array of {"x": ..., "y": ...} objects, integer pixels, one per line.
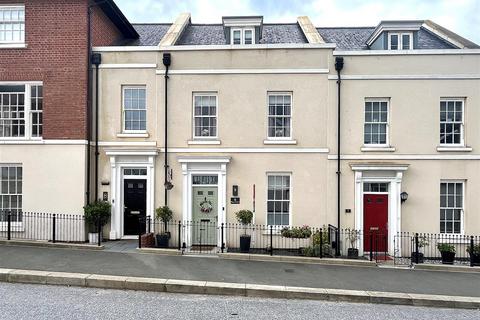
[
  {"x": 213, "y": 118},
  {"x": 247, "y": 114}
]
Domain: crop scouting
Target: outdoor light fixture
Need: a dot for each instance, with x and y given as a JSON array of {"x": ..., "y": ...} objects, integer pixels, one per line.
[
  {"x": 403, "y": 196},
  {"x": 168, "y": 185}
]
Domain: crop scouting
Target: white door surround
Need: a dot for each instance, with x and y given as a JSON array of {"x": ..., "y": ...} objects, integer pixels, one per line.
[
  {"x": 119, "y": 160},
  {"x": 385, "y": 173},
  {"x": 203, "y": 166}
]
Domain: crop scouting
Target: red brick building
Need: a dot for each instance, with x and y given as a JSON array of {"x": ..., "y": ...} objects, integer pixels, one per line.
[{"x": 44, "y": 108}]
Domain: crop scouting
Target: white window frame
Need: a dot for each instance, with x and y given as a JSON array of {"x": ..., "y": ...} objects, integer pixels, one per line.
[
  {"x": 242, "y": 35},
  {"x": 6, "y": 43},
  {"x": 280, "y": 93},
  {"x": 16, "y": 225},
  {"x": 27, "y": 111},
  {"x": 400, "y": 40},
  {"x": 387, "y": 130},
  {"x": 462, "y": 212},
  {"x": 462, "y": 126},
  {"x": 290, "y": 202},
  {"x": 203, "y": 94},
  {"x": 125, "y": 87}
]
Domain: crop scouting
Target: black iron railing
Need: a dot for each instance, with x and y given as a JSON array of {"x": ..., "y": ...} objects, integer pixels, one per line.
[{"x": 37, "y": 226}]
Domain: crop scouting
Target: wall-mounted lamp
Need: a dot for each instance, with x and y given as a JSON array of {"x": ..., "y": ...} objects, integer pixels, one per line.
[
  {"x": 403, "y": 196},
  {"x": 168, "y": 185}
]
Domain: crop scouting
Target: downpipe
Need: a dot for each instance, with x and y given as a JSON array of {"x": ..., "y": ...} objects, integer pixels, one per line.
[{"x": 338, "y": 67}]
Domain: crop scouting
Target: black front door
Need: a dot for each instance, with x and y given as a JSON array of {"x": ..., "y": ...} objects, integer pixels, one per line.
[{"x": 135, "y": 205}]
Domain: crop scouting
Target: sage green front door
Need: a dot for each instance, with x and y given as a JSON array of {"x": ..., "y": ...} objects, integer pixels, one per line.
[{"x": 204, "y": 215}]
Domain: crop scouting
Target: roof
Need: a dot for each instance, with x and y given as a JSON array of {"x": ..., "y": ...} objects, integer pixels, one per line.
[
  {"x": 213, "y": 34},
  {"x": 149, "y": 34},
  {"x": 347, "y": 38},
  {"x": 117, "y": 17}
]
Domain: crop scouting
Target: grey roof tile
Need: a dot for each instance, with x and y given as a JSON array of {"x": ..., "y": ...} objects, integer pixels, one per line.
[
  {"x": 282, "y": 33},
  {"x": 347, "y": 38},
  {"x": 202, "y": 34},
  {"x": 427, "y": 40},
  {"x": 150, "y": 34}
]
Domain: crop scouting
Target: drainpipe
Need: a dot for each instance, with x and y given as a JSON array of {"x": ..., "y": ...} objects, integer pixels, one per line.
[
  {"x": 89, "y": 101},
  {"x": 96, "y": 60},
  {"x": 167, "y": 60},
  {"x": 338, "y": 67}
]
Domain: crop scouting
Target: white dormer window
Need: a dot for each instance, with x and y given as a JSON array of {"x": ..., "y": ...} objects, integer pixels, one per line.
[
  {"x": 400, "y": 41},
  {"x": 242, "y": 35}
]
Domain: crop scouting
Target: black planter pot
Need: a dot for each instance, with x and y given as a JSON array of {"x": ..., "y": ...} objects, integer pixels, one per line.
[
  {"x": 245, "y": 243},
  {"x": 419, "y": 257},
  {"x": 352, "y": 253},
  {"x": 162, "y": 240},
  {"x": 448, "y": 257},
  {"x": 476, "y": 259}
]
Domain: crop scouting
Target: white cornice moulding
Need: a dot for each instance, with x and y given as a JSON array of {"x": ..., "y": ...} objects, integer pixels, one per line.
[
  {"x": 406, "y": 157},
  {"x": 219, "y": 159},
  {"x": 44, "y": 142},
  {"x": 131, "y": 152},
  {"x": 128, "y": 66},
  {"x": 246, "y": 150},
  {"x": 216, "y": 47},
  {"x": 244, "y": 71},
  {"x": 407, "y": 77},
  {"x": 404, "y": 52}
]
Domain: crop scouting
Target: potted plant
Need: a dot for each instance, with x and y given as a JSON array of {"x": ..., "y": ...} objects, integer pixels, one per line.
[
  {"x": 422, "y": 242},
  {"x": 244, "y": 217},
  {"x": 352, "y": 236},
  {"x": 96, "y": 216},
  {"x": 163, "y": 214},
  {"x": 448, "y": 252},
  {"x": 474, "y": 254},
  {"x": 296, "y": 232}
]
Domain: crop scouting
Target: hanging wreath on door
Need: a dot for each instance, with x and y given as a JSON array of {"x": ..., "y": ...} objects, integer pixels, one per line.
[{"x": 206, "y": 206}]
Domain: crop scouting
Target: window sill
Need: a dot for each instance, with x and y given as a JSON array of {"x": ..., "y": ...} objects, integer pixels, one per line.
[
  {"x": 454, "y": 149},
  {"x": 279, "y": 141},
  {"x": 377, "y": 149},
  {"x": 133, "y": 135},
  {"x": 203, "y": 142},
  {"x": 13, "y": 45}
]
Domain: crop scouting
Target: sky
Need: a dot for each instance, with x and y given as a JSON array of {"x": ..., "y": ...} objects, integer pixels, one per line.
[{"x": 460, "y": 16}]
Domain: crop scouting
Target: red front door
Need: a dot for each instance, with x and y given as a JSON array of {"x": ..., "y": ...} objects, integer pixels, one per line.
[{"x": 375, "y": 222}]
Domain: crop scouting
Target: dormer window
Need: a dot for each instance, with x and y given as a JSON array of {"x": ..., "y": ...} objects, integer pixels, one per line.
[
  {"x": 400, "y": 41},
  {"x": 242, "y": 35},
  {"x": 242, "y": 30}
]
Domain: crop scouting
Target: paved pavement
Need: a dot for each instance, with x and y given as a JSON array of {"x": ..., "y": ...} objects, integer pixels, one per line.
[
  {"x": 21, "y": 301},
  {"x": 254, "y": 272}
]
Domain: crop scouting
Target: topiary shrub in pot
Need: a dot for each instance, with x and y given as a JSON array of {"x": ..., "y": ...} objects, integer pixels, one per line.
[
  {"x": 163, "y": 214},
  {"x": 422, "y": 242},
  {"x": 448, "y": 252},
  {"x": 244, "y": 217},
  {"x": 96, "y": 215},
  {"x": 474, "y": 254}
]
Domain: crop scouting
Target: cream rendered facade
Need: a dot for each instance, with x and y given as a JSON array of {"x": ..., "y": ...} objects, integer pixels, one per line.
[
  {"x": 413, "y": 160},
  {"x": 414, "y": 82},
  {"x": 241, "y": 155}
]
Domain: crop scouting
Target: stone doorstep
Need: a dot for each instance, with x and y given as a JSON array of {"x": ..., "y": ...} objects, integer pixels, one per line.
[{"x": 236, "y": 289}]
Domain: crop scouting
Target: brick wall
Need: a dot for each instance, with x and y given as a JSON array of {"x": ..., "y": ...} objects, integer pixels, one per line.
[
  {"x": 104, "y": 32},
  {"x": 56, "y": 53}
]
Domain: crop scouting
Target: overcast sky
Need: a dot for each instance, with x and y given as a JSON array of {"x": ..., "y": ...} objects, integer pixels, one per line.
[{"x": 460, "y": 16}]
